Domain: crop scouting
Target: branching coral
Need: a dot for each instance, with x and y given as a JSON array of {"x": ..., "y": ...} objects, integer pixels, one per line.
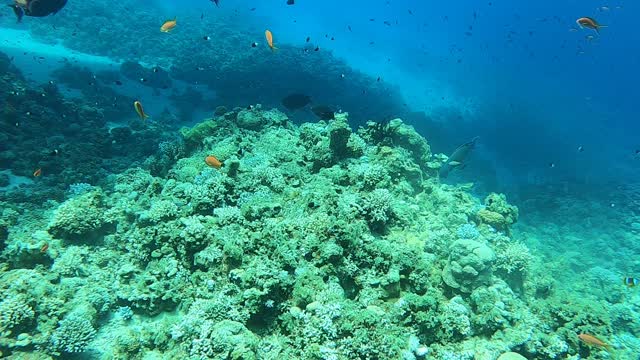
[
  {"x": 74, "y": 333},
  {"x": 80, "y": 218},
  {"x": 14, "y": 312}
]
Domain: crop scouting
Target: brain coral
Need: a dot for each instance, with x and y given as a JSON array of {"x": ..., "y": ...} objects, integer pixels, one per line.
[{"x": 469, "y": 265}]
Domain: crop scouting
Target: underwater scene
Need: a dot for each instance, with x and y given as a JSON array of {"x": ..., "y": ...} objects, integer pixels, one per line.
[{"x": 323, "y": 180}]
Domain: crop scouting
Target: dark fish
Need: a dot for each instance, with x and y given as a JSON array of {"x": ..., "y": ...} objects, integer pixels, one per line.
[
  {"x": 290, "y": 2},
  {"x": 308, "y": 38},
  {"x": 323, "y": 112},
  {"x": 457, "y": 157},
  {"x": 296, "y": 101},
  {"x": 18, "y": 11},
  {"x": 317, "y": 48},
  {"x": 217, "y": 2},
  {"x": 118, "y": 82},
  {"x": 39, "y": 8}
]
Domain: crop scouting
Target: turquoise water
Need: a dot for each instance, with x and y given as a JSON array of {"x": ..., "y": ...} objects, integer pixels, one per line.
[{"x": 394, "y": 180}]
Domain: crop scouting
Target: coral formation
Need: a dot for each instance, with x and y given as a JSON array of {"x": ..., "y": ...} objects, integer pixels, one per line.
[
  {"x": 74, "y": 333},
  {"x": 469, "y": 266},
  {"x": 312, "y": 241},
  {"x": 80, "y": 218}
]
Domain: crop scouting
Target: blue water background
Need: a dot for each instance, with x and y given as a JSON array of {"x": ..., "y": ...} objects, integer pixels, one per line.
[{"x": 522, "y": 75}]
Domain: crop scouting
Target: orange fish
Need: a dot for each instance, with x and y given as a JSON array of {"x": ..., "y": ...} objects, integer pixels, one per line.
[
  {"x": 213, "y": 162},
  {"x": 590, "y": 23},
  {"x": 168, "y": 25},
  {"x": 38, "y": 172},
  {"x": 269, "y": 37},
  {"x": 44, "y": 248},
  {"x": 138, "y": 106},
  {"x": 593, "y": 341}
]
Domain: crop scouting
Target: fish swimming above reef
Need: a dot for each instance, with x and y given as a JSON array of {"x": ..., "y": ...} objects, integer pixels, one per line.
[
  {"x": 139, "y": 110},
  {"x": 169, "y": 25},
  {"x": 296, "y": 101},
  {"x": 590, "y": 23},
  {"x": 269, "y": 36},
  {"x": 593, "y": 341},
  {"x": 213, "y": 162},
  {"x": 631, "y": 282},
  {"x": 457, "y": 158},
  {"x": 36, "y": 8},
  {"x": 217, "y": 2},
  {"x": 324, "y": 112}
]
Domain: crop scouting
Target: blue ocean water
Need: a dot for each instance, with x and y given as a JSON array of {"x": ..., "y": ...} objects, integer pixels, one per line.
[{"x": 294, "y": 242}]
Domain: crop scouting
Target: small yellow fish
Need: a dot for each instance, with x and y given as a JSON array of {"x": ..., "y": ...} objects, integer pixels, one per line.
[
  {"x": 139, "y": 110},
  {"x": 269, "y": 36},
  {"x": 168, "y": 25},
  {"x": 593, "y": 341}
]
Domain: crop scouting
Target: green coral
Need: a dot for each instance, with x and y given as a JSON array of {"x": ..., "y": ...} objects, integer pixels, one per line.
[
  {"x": 81, "y": 218},
  {"x": 319, "y": 243},
  {"x": 194, "y": 136},
  {"x": 15, "y": 311},
  {"x": 74, "y": 333},
  {"x": 225, "y": 340}
]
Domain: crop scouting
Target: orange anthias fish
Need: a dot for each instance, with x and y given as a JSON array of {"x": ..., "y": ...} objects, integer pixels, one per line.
[
  {"x": 138, "y": 106},
  {"x": 213, "y": 162},
  {"x": 590, "y": 23},
  {"x": 269, "y": 36},
  {"x": 168, "y": 25},
  {"x": 38, "y": 172},
  {"x": 593, "y": 341}
]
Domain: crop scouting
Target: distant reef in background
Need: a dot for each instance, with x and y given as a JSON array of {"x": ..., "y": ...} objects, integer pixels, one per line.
[{"x": 225, "y": 62}]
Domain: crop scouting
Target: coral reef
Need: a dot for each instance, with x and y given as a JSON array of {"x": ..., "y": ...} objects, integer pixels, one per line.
[
  {"x": 311, "y": 241},
  {"x": 469, "y": 265}
]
